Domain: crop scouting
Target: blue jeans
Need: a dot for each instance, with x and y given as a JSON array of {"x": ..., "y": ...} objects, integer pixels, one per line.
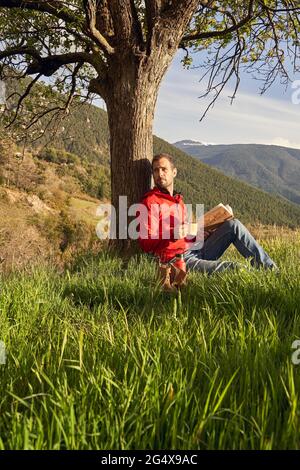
[{"x": 233, "y": 231}]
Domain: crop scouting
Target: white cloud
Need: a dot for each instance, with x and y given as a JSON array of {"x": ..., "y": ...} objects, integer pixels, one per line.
[
  {"x": 282, "y": 142},
  {"x": 251, "y": 119}
]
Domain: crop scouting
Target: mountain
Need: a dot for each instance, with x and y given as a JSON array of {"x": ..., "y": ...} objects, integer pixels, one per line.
[
  {"x": 274, "y": 169},
  {"x": 80, "y": 150},
  {"x": 85, "y": 133},
  {"x": 202, "y": 184},
  {"x": 49, "y": 195}
]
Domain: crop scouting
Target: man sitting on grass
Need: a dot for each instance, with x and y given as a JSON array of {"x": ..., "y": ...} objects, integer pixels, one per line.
[{"x": 206, "y": 259}]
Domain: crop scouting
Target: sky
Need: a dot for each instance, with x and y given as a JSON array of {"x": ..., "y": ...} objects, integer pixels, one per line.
[{"x": 272, "y": 118}]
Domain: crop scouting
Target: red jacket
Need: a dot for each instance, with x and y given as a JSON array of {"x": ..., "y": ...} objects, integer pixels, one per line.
[{"x": 157, "y": 233}]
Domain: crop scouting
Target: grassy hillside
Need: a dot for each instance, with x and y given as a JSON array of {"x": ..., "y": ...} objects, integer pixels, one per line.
[
  {"x": 84, "y": 136},
  {"x": 202, "y": 184},
  {"x": 199, "y": 183},
  {"x": 99, "y": 358},
  {"x": 274, "y": 169},
  {"x": 49, "y": 191},
  {"x": 48, "y": 205}
]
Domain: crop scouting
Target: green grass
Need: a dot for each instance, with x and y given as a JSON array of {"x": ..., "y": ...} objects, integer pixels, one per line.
[
  {"x": 84, "y": 210},
  {"x": 99, "y": 358}
]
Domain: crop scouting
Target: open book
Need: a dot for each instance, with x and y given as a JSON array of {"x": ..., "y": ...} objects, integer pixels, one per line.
[{"x": 212, "y": 219}]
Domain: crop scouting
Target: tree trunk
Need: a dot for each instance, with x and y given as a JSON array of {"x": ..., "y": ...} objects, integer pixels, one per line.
[{"x": 131, "y": 104}]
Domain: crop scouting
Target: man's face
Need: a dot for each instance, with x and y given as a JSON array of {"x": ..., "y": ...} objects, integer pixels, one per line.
[{"x": 163, "y": 173}]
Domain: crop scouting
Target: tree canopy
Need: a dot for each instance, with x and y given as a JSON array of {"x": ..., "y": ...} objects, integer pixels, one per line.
[{"x": 75, "y": 42}]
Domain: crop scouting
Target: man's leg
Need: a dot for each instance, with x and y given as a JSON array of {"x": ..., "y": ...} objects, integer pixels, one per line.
[
  {"x": 233, "y": 231},
  {"x": 194, "y": 262}
]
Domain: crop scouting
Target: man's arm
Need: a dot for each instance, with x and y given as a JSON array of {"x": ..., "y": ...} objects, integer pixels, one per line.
[
  {"x": 158, "y": 230},
  {"x": 150, "y": 239}
]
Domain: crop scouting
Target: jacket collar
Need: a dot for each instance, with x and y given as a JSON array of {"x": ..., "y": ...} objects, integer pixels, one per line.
[{"x": 164, "y": 193}]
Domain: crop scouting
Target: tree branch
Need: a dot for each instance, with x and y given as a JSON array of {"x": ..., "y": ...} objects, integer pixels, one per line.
[
  {"x": 152, "y": 8},
  {"x": 73, "y": 87},
  {"x": 219, "y": 34},
  {"x": 167, "y": 20},
  {"x": 47, "y": 66},
  {"x": 21, "y": 99},
  {"x": 175, "y": 16},
  {"x": 104, "y": 20},
  {"x": 227, "y": 66},
  {"x": 279, "y": 10},
  {"x": 179, "y": 10},
  {"x": 54, "y": 8},
  {"x": 20, "y": 51},
  {"x": 90, "y": 7},
  {"x": 137, "y": 24},
  {"x": 127, "y": 26}
]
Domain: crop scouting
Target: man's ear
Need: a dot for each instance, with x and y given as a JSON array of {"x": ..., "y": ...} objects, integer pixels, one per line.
[{"x": 175, "y": 172}]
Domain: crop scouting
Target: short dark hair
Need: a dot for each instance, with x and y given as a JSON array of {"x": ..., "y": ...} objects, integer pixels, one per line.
[{"x": 157, "y": 157}]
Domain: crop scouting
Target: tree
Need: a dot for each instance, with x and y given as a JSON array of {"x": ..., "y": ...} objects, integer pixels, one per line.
[{"x": 120, "y": 50}]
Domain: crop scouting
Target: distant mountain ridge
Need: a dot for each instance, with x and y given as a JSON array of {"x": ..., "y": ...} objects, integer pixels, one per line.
[
  {"x": 272, "y": 168},
  {"x": 189, "y": 143},
  {"x": 83, "y": 137},
  {"x": 86, "y": 135}
]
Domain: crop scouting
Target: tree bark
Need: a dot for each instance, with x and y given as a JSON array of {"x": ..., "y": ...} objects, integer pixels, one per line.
[{"x": 133, "y": 89}]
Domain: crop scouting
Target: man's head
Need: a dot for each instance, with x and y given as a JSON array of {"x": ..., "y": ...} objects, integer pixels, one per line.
[{"x": 164, "y": 171}]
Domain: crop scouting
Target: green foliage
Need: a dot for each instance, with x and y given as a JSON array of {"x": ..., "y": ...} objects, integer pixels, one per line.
[
  {"x": 59, "y": 156},
  {"x": 83, "y": 133},
  {"x": 61, "y": 230},
  {"x": 93, "y": 179}
]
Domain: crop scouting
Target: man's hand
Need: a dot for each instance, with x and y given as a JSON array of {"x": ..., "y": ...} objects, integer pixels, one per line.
[{"x": 181, "y": 231}]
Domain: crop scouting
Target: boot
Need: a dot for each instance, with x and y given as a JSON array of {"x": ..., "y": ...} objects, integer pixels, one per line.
[
  {"x": 178, "y": 277},
  {"x": 164, "y": 271}
]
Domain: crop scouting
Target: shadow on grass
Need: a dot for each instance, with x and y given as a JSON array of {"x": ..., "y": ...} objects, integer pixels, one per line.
[
  {"x": 131, "y": 287},
  {"x": 137, "y": 296}
]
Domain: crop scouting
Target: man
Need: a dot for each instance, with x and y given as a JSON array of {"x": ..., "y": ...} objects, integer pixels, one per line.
[{"x": 205, "y": 259}]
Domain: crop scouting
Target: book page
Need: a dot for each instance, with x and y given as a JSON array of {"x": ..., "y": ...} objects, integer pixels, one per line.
[{"x": 211, "y": 219}]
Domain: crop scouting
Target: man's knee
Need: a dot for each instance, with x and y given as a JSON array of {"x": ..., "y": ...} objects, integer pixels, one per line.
[{"x": 232, "y": 224}]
